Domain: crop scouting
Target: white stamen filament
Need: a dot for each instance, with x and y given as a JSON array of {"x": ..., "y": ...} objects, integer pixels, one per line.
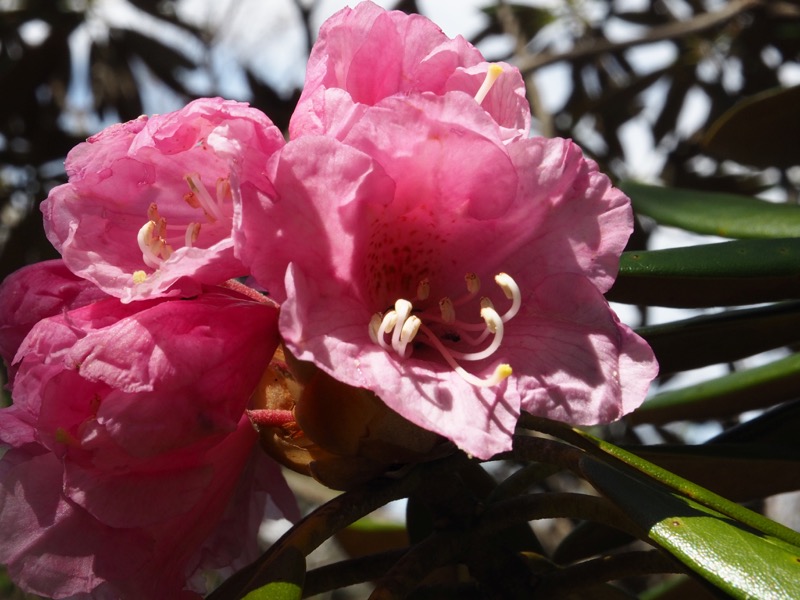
[
  {"x": 207, "y": 203},
  {"x": 492, "y": 74},
  {"x": 192, "y": 233},
  {"x": 155, "y": 249},
  {"x": 387, "y": 325},
  {"x": 396, "y": 329},
  {"x": 403, "y": 309},
  {"x": 374, "y": 327},
  {"x": 500, "y": 373},
  {"x": 145, "y": 240},
  {"x": 512, "y": 292}
]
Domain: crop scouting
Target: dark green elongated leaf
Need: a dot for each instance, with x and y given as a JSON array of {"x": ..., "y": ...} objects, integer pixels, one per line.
[
  {"x": 743, "y": 561},
  {"x": 589, "y": 538},
  {"x": 723, "y": 337},
  {"x": 761, "y": 130},
  {"x": 777, "y": 426},
  {"x": 740, "y": 472},
  {"x": 723, "y": 274},
  {"x": 726, "y": 215},
  {"x": 724, "y": 396},
  {"x": 694, "y": 492}
]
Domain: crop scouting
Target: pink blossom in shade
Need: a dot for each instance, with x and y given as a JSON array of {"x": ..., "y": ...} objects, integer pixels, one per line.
[
  {"x": 365, "y": 54},
  {"x": 36, "y": 292},
  {"x": 131, "y": 466},
  {"x": 148, "y": 207},
  {"x": 421, "y": 192}
]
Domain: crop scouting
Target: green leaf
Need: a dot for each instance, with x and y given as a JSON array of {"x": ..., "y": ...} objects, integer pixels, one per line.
[
  {"x": 723, "y": 274},
  {"x": 286, "y": 578},
  {"x": 741, "y": 472},
  {"x": 695, "y": 492},
  {"x": 732, "y": 394},
  {"x": 723, "y": 337},
  {"x": 743, "y": 561},
  {"x": 280, "y": 590},
  {"x": 726, "y": 215}
]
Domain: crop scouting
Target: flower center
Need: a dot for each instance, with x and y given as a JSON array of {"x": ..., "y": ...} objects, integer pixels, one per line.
[
  {"x": 395, "y": 329},
  {"x": 157, "y": 240}
]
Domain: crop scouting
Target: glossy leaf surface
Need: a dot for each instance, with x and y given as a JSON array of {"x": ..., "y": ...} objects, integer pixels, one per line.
[
  {"x": 722, "y": 274},
  {"x": 725, "y": 215},
  {"x": 731, "y": 394},
  {"x": 742, "y": 561}
]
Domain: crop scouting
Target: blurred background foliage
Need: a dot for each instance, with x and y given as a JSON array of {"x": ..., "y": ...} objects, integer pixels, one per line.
[{"x": 700, "y": 95}]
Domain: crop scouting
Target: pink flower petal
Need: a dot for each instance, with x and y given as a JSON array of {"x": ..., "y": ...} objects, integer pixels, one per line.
[
  {"x": 33, "y": 293},
  {"x": 421, "y": 191},
  {"x": 371, "y": 54},
  {"x": 181, "y": 172},
  {"x": 129, "y": 447}
]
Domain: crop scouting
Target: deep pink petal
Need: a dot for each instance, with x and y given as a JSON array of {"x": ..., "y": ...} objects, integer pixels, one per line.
[
  {"x": 137, "y": 447},
  {"x": 36, "y": 292},
  {"x": 320, "y": 200}
]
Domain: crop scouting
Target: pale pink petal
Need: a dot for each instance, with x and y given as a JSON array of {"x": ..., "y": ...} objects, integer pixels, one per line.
[
  {"x": 184, "y": 167},
  {"x": 421, "y": 191},
  {"x": 422, "y": 389},
  {"x": 371, "y": 54},
  {"x": 573, "y": 361}
]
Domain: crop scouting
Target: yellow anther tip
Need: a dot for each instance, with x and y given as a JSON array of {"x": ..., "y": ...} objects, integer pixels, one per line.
[
  {"x": 503, "y": 371},
  {"x": 495, "y": 70},
  {"x": 139, "y": 276}
]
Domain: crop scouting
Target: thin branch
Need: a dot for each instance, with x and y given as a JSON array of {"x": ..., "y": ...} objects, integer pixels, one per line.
[
  {"x": 349, "y": 572},
  {"x": 604, "y": 569},
  {"x": 671, "y": 31}
]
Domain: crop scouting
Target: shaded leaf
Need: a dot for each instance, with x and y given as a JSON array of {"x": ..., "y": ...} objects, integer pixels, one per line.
[
  {"x": 723, "y": 337},
  {"x": 722, "y": 274},
  {"x": 731, "y": 394},
  {"x": 285, "y": 581},
  {"x": 726, "y": 215},
  {"x": 741, "y": 472}
]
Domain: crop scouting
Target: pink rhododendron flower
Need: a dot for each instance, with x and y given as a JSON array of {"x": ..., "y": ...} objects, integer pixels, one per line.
[
  {"x": 148, "y": 207},
  {"x": 454, "y": 272},
  {"x": 34, "y": 293},
  {"x": 365, "y": 54},
  {"x": 131, "y": 468}
]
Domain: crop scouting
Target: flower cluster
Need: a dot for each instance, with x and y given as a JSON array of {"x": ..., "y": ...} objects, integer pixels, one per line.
[{"x": 414, "y": 242}]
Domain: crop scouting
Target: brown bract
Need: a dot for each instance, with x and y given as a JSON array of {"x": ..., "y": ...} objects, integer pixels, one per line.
[{"x": 341, "y": 435}]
